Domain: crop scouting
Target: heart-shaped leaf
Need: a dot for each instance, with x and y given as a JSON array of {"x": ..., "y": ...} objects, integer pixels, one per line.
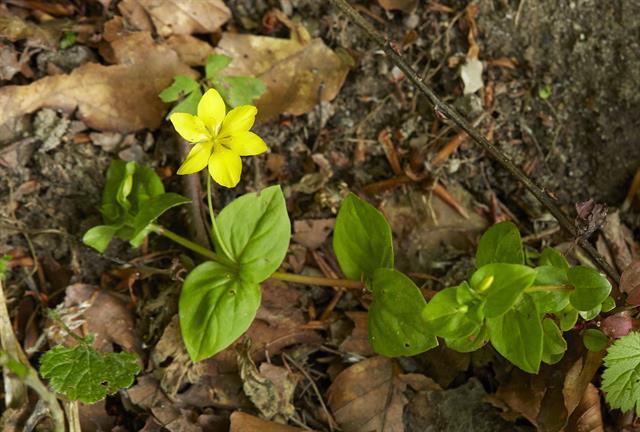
[
  {"x": 361, "y": 239},
  {"x": 216, "y": 307},
  {"x": 591, "y": 288},
  {"x": 257, "y": 230},
  {"x": 395, "y": 327},
  {"x": 500, "y": 244}
]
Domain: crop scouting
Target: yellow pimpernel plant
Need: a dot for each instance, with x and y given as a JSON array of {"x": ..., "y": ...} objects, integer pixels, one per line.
[{"x": 219, "y": 138}]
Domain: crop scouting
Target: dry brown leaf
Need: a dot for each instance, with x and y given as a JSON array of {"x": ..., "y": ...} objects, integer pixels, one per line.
[
  {"x": 14, "y": 28},
  {"x": 630, "y": 283},
  {"x": 122, "y": 98},
  {"x": 405, "y": 6},
  {"x": 369, "y": 396},
  {"x": 103, "y": 314},
  {"x": 358, "y": 341},
  {"x": 179, "y": 16},
  {"x": 297, "y": 75},
  {"x": 135, "y": 15},
  {"x": 191, "y": 50},
  {"x": 588, "y": 415},
  {"x": 242, "y": 422},
  {"x": 9, "y": 63},
  {"x": 312, "y": 233}
]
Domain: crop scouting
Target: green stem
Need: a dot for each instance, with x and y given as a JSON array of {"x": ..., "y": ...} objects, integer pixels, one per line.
[
  {"x": 217, "y": 238},
  {"x": 287, "y": 277},
  {"x": 542, "y": 288}
]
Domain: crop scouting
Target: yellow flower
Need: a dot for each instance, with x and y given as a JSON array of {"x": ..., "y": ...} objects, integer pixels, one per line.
[{"x": 220, "y": 138}]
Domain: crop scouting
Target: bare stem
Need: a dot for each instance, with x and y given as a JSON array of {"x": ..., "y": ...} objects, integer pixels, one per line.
[
  {"x": 287, "y": 277},
  {"x": 447, "y": 110}
]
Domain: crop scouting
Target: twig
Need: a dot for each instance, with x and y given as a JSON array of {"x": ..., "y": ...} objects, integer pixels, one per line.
[
  {"x": 193, "y": 190},
  {"x": 448, "y": 111},
  {"x": 15, "y": 391}
]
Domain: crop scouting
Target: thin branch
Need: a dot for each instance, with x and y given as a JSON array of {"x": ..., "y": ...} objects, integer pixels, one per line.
[{"x": 448, "y": 111}]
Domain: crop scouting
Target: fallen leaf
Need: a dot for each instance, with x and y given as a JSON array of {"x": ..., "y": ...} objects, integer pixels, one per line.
[
  {"x": 297, "y": 75},
  {"x": 312, "y": 233},
  {"x": 191, "y": 50},
  {"x": 270, "y": 389},
  {"x": 619, "y": 240},
  {"x": 587, "y": 416},
  {"x": 369, "y": 396},
  {"x": 358, "y": 341},
  {"x": 14, "y": 28},
  {"x": 9, "y": 63},
  {"x": 122, "y": 98},
  {"x": 135, "y": 15},
  {"x": 180, "y": 16},
  {"x": 405, "y": 6},
  {"x": 91, "y": 310},
  {"x": 242, "y": 422},
  {"x": 630, "y": 283}
]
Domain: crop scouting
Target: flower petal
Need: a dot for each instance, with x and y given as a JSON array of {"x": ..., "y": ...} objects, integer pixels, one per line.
[
  {"x": 197, "y": 158},
  {"x": 211, "y": 109},
  {"x": 246, "y": 144},
  {"x": 239, "y": 119},
  {"x": 225, "y": 167},
  {"x": 189, "y": 127}
]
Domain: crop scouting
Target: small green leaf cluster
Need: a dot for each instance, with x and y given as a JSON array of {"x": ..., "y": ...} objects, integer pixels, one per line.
[
  {"x": 521, "y": 310},
  {"x": 219, "y": 302},
  {"x": 132, "y": 199},
  {"x": 84, "y": 374},
  {"x": 235, "y": 90}
]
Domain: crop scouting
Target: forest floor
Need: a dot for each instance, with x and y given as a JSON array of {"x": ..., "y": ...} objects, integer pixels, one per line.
[{"x": 558, "y": 92}]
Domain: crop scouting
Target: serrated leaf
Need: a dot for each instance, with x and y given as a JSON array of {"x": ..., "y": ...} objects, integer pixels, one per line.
[
  {"x": 508, "y": 283},
  {"x": 182, "y": 85},
  {"x": 100, "y": 236},
  {"x": 216, "y": 307},
  {"x": 395, "y": 327},
  {"x": 447, "y": 317},
  {"x": 361, "y": 239},
  {"x": 84, "y": 374},
  {"x": 239, "y": 90},
  {"x": 517, "y": 335},
  {"x": 215, "y": 63},
  {"x": 594, "y": 340},
  {"x": 554, "y": 345},
  {"x": 621, "y": 377},
  {"x": 591, "y": 288},
  {"x": 257, "y": 230},
  {"x": 500, "y": 244}
]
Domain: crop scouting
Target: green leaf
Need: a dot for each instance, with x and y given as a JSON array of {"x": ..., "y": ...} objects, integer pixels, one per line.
[
  {"x": 239, "y": 90},
  {"x": 189, "y": 104},
  {"x": 447, "y": 317},
  {"x": 621, "y": 377},
  {"x": 182, "y": 85},
  {"x": 507, "y": 283},
  {"x": 216, "y": 307},
  {"x": 257, "y": 230},
  {"x": 553, "y": 300},
  {"x": 591, "y": 314},
  {"x": 395, "y": 327},
  {"x": 608, "y": 304},
  {"x": 100, "y": 236},
  {"x": 591, "y": 287},
  {"x": 470, "y": 343},
  {"x": 68, "y": 39},
  {"x": 553, "y": 345},
  {"x": 568, "y": 318},
  {"x": 84, "y": 374},
  {"x": 552, "y": 257},
  {"x": 154, "y": 208},
  {"x": 517, "y": 335},
  {"x": 500, "y": 244},
  {"x": 594, "y": 340},
  {"x": 4, "y": 266},
  {"x": 215, "y": 63},
  {"x": 361, "y": 239}
]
